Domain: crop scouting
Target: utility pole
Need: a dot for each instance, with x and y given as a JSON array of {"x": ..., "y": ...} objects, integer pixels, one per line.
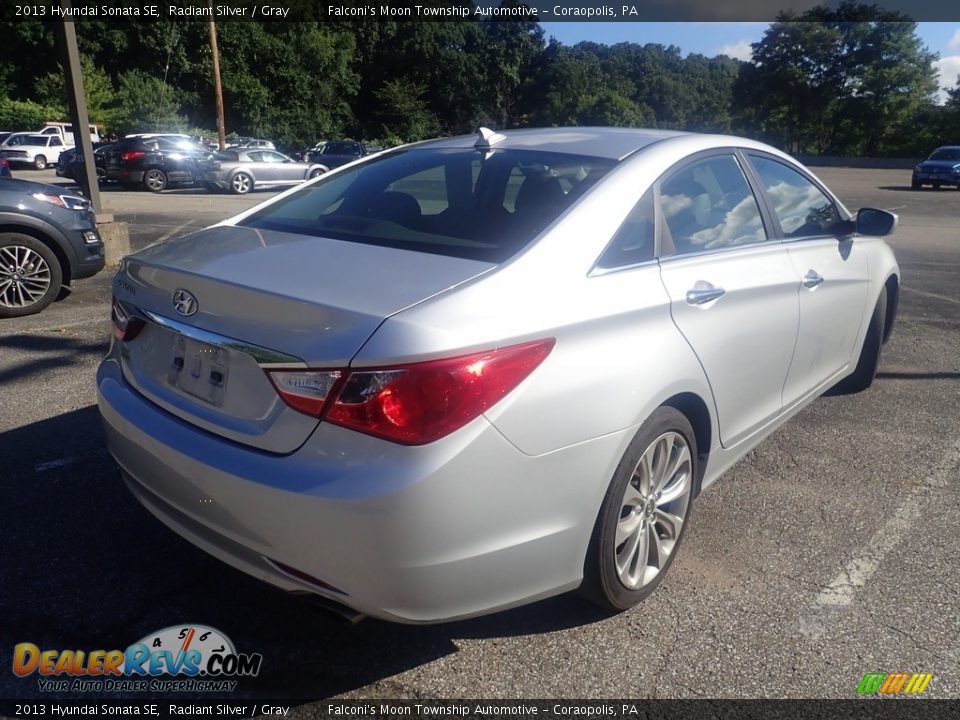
[
  {"x": 77, "y": 102},
  {"x": 218, "y": 90}
]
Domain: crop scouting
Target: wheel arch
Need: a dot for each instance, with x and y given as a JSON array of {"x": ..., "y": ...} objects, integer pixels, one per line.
[
  {"x": 892, "y": 287},
  {"x": 695, "y": 409},
  {"x": 47, "y": 237}
]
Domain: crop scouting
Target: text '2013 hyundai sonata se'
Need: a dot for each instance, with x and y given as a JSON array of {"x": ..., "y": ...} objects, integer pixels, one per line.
[{"x": 473, "y": 372}]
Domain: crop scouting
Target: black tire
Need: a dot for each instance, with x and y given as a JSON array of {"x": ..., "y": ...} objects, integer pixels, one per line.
[
  {"x": 241, "y": 183},
  {"x": 862, "y": 376},
  {"x": 601, "y": 578},
  {"x": 315, "y": 173},
  {"x": 15, "y": 300},
  {"x": 915, "y": 184},
  {"x": 936, "y": 186},
  {"x": 155, "y": 180},
  {"x": 40, "y": 162}
]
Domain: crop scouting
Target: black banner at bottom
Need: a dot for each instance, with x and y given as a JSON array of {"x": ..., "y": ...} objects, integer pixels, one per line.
[{"x": 879, "y": 709}]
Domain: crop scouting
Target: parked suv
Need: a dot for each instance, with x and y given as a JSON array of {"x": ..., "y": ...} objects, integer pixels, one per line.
[
  {"x": 154, "y": 162},
  {"x": 47, "y": 239}
]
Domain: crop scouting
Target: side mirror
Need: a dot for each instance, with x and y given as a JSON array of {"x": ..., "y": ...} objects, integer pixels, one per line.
[{"x": 877, "y": 223}]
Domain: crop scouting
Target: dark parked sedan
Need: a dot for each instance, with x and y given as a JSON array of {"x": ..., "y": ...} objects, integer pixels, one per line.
[
  {"x": 48, "y": 238},
  {"x": 241, "y": 170},
  {"x": 337, "y": 153},
  {"x": 70, "y": 164},
  {"x": 154, "y": 162},
  {"x": 941, "y": 168}
]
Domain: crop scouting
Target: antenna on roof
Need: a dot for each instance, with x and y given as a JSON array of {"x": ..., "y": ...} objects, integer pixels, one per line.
[{"x": 487, "y": 138}]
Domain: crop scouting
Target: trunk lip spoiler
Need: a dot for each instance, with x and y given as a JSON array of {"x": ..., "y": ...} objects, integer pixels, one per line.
[{"x": 265, "y": 357}]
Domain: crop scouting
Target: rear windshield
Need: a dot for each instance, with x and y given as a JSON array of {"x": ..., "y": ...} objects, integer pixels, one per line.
[
  {"x": 945, "y": 154},
  {"x": 460, "y": 202}
]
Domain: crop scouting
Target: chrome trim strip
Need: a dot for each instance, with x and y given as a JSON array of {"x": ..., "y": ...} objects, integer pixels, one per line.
[{"x": 265, "y": 357}]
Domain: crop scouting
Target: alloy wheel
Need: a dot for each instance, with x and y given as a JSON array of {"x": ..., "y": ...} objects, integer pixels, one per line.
[
  {"x": 241, "y": 184},
  {"x": 25, "y": 277},
  {"x": 652, "y": 510}
]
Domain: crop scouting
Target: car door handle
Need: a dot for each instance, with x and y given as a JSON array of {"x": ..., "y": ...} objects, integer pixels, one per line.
[
  {"x": 812, "y": 279},
  {"x": 703, "y": 293}
]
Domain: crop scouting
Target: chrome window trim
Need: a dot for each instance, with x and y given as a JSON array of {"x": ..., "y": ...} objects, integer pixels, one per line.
[
  {"x": 771, "y": 245},
  {"x": 265, "y": 357},
  {"x": 597, "y": 271}
]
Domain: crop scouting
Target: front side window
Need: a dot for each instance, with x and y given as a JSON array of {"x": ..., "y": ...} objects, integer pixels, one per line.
[
  {"x": 802, "y": 208},
  {"x": 459, "y": 202},
  {"x": 709, "y": 205}
]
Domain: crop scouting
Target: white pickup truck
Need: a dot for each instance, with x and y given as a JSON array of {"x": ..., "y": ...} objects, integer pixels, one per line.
[
  {"x": 33, "y": 149},
  {"x": 64, "y": 131}
]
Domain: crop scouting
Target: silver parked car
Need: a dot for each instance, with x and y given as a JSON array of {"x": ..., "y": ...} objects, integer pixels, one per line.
[
  {"x": 466, "y": 374},
  {"x": 241, "y": 170}
]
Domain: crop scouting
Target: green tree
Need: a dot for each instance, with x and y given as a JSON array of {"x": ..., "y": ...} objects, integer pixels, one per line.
[
  {"x": 849, "y": 79},
  {"x": 25, "y": 115},
  {"x": 404, "y": 113},
  {"x": 51, "y": 90},
  {"x": 145, "y": 104}
]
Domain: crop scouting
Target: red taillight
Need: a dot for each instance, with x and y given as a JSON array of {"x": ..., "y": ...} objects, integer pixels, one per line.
[
  {"x": 412, "y": 404},
  {"x": 125, "y": 326},
  {"x": 131, "y": 155}
]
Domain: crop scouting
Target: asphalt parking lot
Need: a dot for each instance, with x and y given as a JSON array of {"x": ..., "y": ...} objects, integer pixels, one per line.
[{"x": 830, "y": 551}]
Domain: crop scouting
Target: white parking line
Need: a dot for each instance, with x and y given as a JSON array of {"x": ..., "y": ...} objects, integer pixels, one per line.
[
  {"x": 933, "y": 295},
  {"x": 858, "y": 571},
  {"x": 51, "y": 464},
  {"x": 69, "y": 460},
  {"x": 841, "y": 591}
]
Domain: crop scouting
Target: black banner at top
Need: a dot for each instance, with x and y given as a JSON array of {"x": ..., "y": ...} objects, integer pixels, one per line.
[{"x": 446, "y": 10}]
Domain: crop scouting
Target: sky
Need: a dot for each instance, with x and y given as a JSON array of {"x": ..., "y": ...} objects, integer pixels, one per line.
[{"x": 734, "y": 38}]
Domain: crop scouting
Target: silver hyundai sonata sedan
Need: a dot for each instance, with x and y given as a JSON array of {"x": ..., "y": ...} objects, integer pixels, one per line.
[{"x": 473, "y": 372}]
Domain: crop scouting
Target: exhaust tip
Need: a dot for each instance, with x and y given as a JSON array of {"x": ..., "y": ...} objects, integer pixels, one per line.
[{"x": 330, "y": 606}]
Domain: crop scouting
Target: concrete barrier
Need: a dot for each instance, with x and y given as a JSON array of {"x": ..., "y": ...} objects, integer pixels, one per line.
[
  {"x": 115, "y": 236},
  {"x": 859, "y": 162}
]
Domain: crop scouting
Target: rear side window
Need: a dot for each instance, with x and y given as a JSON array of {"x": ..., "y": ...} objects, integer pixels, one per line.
[
  {"x": 459, "y": 202},
  {"x": 709, "y": 205},
  {"x": 633, "y": 242},
  {"x": 802, "y": 208}
]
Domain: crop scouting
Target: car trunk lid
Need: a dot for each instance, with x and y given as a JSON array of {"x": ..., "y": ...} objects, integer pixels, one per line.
[{"x": 249, "y": 299}]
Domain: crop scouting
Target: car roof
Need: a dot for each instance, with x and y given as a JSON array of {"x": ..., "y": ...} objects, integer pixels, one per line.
[{"x": 603, "y": 142}]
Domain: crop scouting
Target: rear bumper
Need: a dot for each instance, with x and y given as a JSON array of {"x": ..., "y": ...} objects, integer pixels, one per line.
[
  {"x": 122, "y": 175},
  {"x": 460, "y": 527}
]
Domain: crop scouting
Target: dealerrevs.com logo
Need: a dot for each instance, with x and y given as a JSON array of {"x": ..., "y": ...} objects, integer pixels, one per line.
[{"x": 180, "y": 658}]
